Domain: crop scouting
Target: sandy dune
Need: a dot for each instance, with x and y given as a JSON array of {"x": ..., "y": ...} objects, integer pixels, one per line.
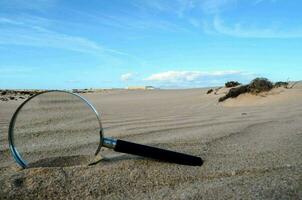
[{"x": 252, "y": 147}]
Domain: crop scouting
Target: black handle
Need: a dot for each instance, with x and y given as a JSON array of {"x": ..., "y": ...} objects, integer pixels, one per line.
[{"x": 156, "y": 153}]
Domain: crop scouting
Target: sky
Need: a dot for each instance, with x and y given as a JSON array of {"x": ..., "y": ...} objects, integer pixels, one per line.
[{"x": 63, "y": 44}]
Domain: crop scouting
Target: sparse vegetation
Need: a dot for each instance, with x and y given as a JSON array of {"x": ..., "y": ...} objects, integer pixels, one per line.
[
  {"x": 210, "y": 91},
  {"x": 260, "y": 85},
  {"x": 256, "y": 86},
  {"x": 290, "y": 87},
  {"x": 281, "y": 84},
  {"x": 7, "y": 95},
  {"x": 3, "y": 99},
  {"x": 82, "y": 90},
  {"x": 235, "y": 92},
  {"x": 232, "y": 84}
]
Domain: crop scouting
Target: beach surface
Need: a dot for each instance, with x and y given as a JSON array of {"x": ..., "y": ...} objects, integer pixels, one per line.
[{"x": 251, "y": 147}]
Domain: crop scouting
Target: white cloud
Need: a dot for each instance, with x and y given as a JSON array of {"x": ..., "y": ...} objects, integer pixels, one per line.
[
  {"x": 4, "y": 20},
  {"x": 182, "y": 7},
  {"x": 217, "y": 6},
  {"x": 49, "y": 39},
  {"x": 209, "y": 9},
  {"x": 238, "y": 30},
  {"x": 36, "y": 5},
  {"x": 197, "y": 78},
  {"x": 31, "y": 32},
  {"x": 175, "y": 6},
  {"x": 260, "y": 1},
  {"x": 177, "y": 76},
  {"x": 126, "y": 77}
]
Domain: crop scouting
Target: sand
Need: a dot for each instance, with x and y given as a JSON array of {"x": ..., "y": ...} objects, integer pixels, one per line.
[{"x": 252, "y": 147}]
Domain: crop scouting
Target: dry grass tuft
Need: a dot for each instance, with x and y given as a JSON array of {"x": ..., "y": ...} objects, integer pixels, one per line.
[{"x": 232, "y": 84}]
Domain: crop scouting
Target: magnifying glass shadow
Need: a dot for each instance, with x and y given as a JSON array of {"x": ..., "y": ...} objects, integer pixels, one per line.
[
  {"x": 79, "y": 160},
  {"x": 61, "y": 161},
  {"x": 108, "y": 160}
]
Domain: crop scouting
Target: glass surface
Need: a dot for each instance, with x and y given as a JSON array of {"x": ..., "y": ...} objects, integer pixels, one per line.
[{"x": 56, "y": 129}]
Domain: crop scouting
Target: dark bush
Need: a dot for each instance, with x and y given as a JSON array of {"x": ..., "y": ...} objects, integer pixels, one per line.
[
  {"x": 232, "y": 84},
  {"x": 281, "y": 84},
  {"x": 260, "y": 85},
  {"x": 24, "y": 92},
  {"x": 210, "y": 91},
  {"x": 256, "y": 86},
  {"x": 235, "y": 92}
]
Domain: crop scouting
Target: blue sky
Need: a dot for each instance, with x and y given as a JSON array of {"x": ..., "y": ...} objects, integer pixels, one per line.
[{"x": 56, "y": 44}]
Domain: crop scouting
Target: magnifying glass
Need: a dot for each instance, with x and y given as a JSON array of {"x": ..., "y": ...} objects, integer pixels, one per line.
[{"x": 60, "y": 127}]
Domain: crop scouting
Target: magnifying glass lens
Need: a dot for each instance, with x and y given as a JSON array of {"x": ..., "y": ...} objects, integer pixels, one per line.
[{"x": 56, "y": 129}]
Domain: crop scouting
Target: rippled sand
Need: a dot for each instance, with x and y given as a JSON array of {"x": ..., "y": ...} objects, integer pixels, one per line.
[{"x": 252, "y": 147}]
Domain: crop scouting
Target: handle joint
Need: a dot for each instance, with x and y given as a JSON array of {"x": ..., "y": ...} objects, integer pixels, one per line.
[{"x": 109, "y": 143}]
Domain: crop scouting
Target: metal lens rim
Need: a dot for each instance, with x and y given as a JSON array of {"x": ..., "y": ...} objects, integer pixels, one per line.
[{"x": 12, "y": 147}]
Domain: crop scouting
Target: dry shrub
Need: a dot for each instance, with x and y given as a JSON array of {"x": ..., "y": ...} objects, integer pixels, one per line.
[
  {"x": 232, "y": 84},
  {"x": 235, "y": 92},
  {"x": 281, "y": 84},
  {"x": 256, "y": 86},
  {"x": 210, "y": 91},
  {"x": 260, "y": 85}
]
